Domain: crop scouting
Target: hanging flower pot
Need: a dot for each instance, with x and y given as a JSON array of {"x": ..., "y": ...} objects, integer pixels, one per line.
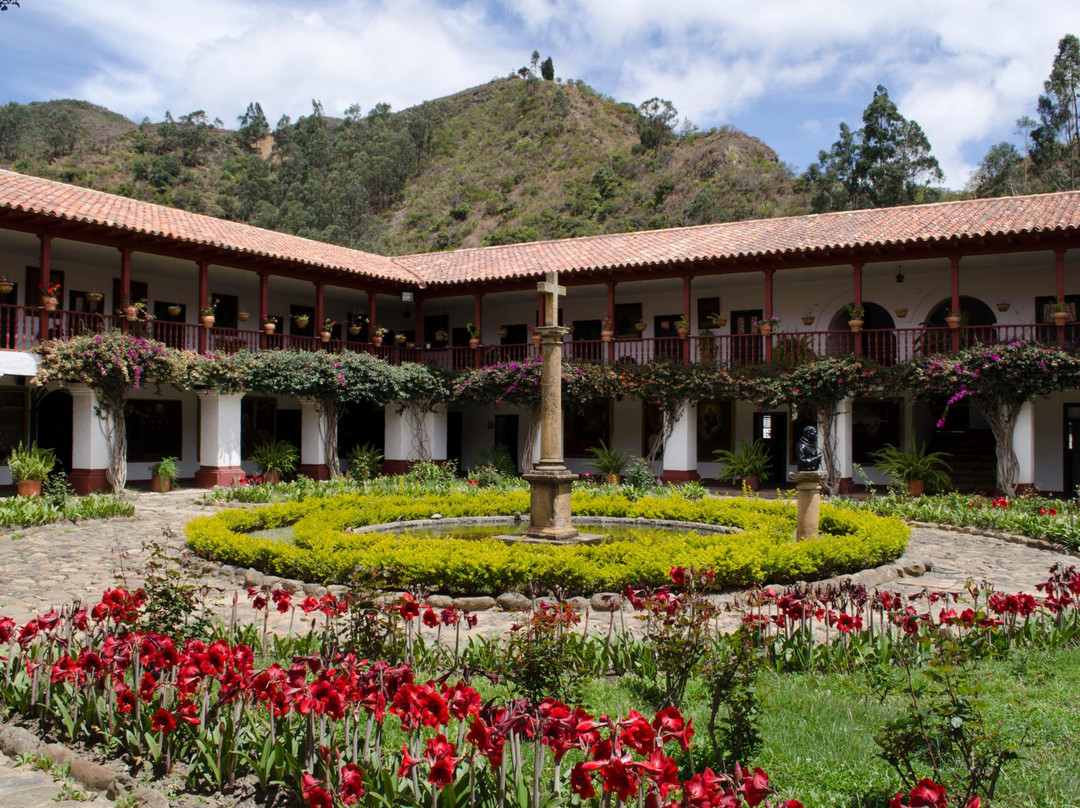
[
  {"x": 952, "y": 320},
  {"x": 400, "y": 339},
  {"x": 901, "y": 312},
  {"x": 131, "y": 313},
  {"x": 1002, "y": 305},
  {"x": 474, "y": 342},
  {"x": 808, "y": 319},
  {"x": 855, "y": 326},
  {"x": 682, "y": 332},
  {"x": 7, "y": 287},
  {"x": 440, "y": 336},
  {"x": 242, "y": 316},
  {"x": 607, "y": 336},
  {"x": 640, "y": 325},
  {"x": 49, "y": 303},
  {"x": 93, "y": 299},
  {"x": 503, "y": 333},
  {"x": 1059, "y": 317},
  {"x": 175, "y": 309},
  {"x": 324, "y": 336},
  {"x": 301, "y": 320},
  {"x": 354, "y": 330}
]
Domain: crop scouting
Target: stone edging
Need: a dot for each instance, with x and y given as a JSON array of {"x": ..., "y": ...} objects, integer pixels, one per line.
[
  {"x": 1011, "y": 538},
  {"x": 16, "y": 741}
]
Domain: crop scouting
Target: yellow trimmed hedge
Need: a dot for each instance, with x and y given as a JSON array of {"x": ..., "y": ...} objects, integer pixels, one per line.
[{"x": 765, "y": 552}]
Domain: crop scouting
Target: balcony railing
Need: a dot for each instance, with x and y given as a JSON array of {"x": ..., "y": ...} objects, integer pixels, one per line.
[{"x": 22, "y": 327}]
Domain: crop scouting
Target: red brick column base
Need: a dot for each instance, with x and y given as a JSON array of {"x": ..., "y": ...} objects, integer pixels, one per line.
[
  {"x": 316, "y": 471},
  {"x": 396, "y": 466},
  {"x": 210, "y": 476},
  {"x": 677, "y": 476},
  {"x": 847, "y": 485},
  {"x": 87, "y": 481}
]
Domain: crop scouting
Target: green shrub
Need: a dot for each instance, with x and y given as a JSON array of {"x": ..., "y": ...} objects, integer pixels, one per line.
[
  {"x": 24, "y": 512},
  {"x": 365, "y": 462},
  {"x": 30, "y": 463},
  {"x": 748, "y": 460},
  {"x": 167, "y": 468},
  {"x": 765, "y": 552},
  {"x": 278, "y": 455},
  {"x": 639, "y": 475}
]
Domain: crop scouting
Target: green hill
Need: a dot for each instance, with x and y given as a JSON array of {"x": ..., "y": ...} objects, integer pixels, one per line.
[{"x": 511, "y": 160}]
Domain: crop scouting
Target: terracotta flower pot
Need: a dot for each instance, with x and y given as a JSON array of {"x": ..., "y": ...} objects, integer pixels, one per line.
[
  {"x": 765, "y": 329},
  {"x": 130, "y": 313},
  {"x": 29, "y": 488},
  {"x": 269, "y": 328},
  {"x": 208, "y": 321},
  {"x": 271, "y": 477},
  {"x": 607, "y": 336},
  {"x": 682, "y": 332},
  {"x": 752, "y": 483},
  {"x": 160, "y": 484},
  {"x": 376, "y": 341},
  {"x": 915, "y": 488},
  {"x": 474, "y": 342},
  {"x": 324, "y": 336},
  {"x": 952, "y": 320},
  {"x": 536, "y": 340},
  {"x": 174, "y": 311},
  {"x": 49, "y": 303},
  {"x": 855, "y": 326},
  {"x": 1059, "y": 317},
  {"x": 611, "y": 479}
]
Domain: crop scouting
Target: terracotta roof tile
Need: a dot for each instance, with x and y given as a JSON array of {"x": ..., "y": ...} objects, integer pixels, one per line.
[
  {"x": 763, "y": 238},
  {"x": 55, "y": 199}
]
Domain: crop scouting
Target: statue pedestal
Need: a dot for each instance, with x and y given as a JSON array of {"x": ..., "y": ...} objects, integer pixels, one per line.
[
  {"x": 808, "y": 492},
  {"x": 549, "y": 503}
]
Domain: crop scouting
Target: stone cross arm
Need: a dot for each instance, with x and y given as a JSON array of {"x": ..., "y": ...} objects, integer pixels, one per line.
[{"x": 550, "y": 288}]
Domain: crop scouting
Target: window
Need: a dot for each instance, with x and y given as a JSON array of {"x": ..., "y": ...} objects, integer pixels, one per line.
[
  {"x": 627, "y": 316},
  {"x": 12, "y": 420},
  {"x": 585, "y": 426},
  {"x": 154, "y": 430},
  {"x": 258, "y": 416}
]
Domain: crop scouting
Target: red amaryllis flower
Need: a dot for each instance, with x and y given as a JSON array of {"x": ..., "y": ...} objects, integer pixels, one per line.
[
  {"x": 431, "y": 620},
  {"x": 701, "y": 789},
  {"x": 638, "y": 734},
  {"x": 620, "y": 778},
  {"x": 928, "y": 794},
  {"x": 258, "y": 599},
  {"x": 163, "y": 721},
  {"x": 670, "y": 725},
  {"x": 755, "y": 787},
  {"x": 678, "y": 576},
  {"x": 188, "y": 712},
  {"x": 315, "y": 794},
  {"x": 440, "y": 756},
  {"x": 407, "y": 607},
  {"x": 408, "y": 762},
  {"x": 352, "y": 784},
  {"x": 282, "y": 599},
  {"x": 580, "y": 782},
  {"x": 7, "y": 625}
]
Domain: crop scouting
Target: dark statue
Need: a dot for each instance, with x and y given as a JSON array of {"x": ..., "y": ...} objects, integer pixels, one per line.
[{"x": 809, "y": 456}]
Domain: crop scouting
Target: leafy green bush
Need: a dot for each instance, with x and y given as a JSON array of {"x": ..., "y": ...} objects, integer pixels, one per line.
[
  {"x": 748, "y": 460},
  {"x": 365, "y": 462},
  {"x": 24, "y": 512},
  {"x": 278, "y": 455},
  {"x": 30, "y": 462},
  {"x": 917, "y": 464},
  {"x": 766, "y": 551},
  {"x": 639, "y": 475}
]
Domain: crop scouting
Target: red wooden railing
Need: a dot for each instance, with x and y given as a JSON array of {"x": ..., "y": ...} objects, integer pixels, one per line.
[{"x": 22, "y": 327}]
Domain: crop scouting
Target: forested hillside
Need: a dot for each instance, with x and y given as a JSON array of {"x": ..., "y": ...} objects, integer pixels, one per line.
[{"x": 512, "y": 160}]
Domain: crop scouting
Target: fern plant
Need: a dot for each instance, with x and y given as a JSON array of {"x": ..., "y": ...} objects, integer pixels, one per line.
[{"x": 908, "y": 468}]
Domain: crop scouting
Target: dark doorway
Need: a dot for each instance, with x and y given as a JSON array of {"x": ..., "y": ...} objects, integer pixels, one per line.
[
  {"x": 52, "y": 425},
  {"x": 453, "y": 437},
  {"x": 1071, "y": 477},
  {"x": 9, "y": 319},
  {"x": 668, "y": 344},
  {"x": 586, "y": 337},
  {"x": 434, "y": 323},
  {"x": 771, "y": 429},
  {"x": 878, "y": 334},
  {"x": 139, "y": 291},
  {"x": 516, "y": 334},
  {"x": 299, "y": 311},
  {"x": 288, "y": 427},
  {"x": 506, "y": 435},
  {"x": 745, "y": 340},
  {"x": 228, "y": 307},
  {"x": 361, "y": 425}
]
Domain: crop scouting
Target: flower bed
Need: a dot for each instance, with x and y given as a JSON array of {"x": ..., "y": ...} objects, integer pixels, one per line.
[
  {"x": 26, "y": 512},
  {"x": 765, "y": 550}
]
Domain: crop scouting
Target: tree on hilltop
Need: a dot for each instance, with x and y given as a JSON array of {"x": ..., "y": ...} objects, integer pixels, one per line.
[{"x": 547, "y": 69}]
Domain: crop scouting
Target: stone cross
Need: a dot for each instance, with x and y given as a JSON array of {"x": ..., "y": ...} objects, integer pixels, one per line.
[{"x": 550, "y": 288}]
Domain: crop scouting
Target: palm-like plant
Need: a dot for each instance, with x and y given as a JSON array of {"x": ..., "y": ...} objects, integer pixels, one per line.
[
  {"x": 915, "y": 466},
  {"x": 610, "y": 462},
  {"x": 748, "y": 461}
]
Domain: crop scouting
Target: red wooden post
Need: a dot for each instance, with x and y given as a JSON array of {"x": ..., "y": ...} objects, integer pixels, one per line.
[
  {"x": 44, "y": 280},
  {"x": 611, "y": 318},
  {"x": 125, "y": 284},
  {"x": 372, "y": 306},
  {"x": 856, "y": 293},
  {"x": 478, "y": 321},
  {"x": 264, "y": 305},
  {"x": 768, "y": 310},
  {"x": 204, "y": 299},
  {"x": 418, "y": 323},
  {"x": 954, "y": 281},
  {"x": 686, "y": 316},
  {"x": 320, "y": 315}
]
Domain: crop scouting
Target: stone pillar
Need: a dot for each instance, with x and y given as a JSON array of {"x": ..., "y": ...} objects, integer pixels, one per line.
[
  {"x": 808, "y": 495},
  {"x": 1023, "y": 444},
  {"x": 90, "y": 449},
  {"x": 312, "y": 451},
  {"x": 219, "y": 439},
  {"x": 399, "y": 444},
  {"x": 680, "y": 452},
  {"x": 842, "y": 431}
]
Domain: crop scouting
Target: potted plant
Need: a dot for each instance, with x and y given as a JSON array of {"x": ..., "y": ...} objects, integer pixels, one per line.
[
  {"x": 610, "y": 462},
  {"x": 855, "y": 317},
  {"x": 29, "y": 466},
  {"x": 717, "y": 320},
  {"x": 206, "y": 311},
  {"x": 163, "y": 474},
  {"x": 274, "y": 459},
  {"x": 377, "y": 336},
  {"x": 766, "y": 326},
  {"x": 607, "y": 330},
  {"x": 474, "y": 335},
  {"x": 175, "y": 309},
  {"x": 327, "y": 329},
  {"x": 901, "y": 312},
  {"x": 6, "y": 286},
  {"x": 641, "y": 325},
  {"x": 503, "y": 332},
  {"x": 400, "y": 339},
  {"x": 301, "y": 320},
  {"x": 1002, "y": 304},
  {"x": 682, "y": 327},
  {"x": 808, "y": 317},
  {"x": 242, "y": 316},
  {"x": 952, "y": 319},
  {"x": 1059, "y": 312},
  {"x": 50, "y": 296},
  {"x": 915, "y": 469},
  {"x": 535, "y": 336},
  {"x": 93, "y": 300},
  {"x": 441, "y": 335},
  {"x": 269, "y": 324},
  {"x": 356, "y": 325},
  {"x": 748, "y": 463}
]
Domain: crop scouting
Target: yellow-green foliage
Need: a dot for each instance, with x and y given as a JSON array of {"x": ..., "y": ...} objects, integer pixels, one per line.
[{"x": 765, "y": 552}]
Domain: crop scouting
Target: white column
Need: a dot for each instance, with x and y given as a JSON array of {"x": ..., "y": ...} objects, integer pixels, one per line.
[
  {"x": 1023, "y": 444},
  {"x": 842, "y": 428},
  {"x": 680, "y": 451},
  {"x": 313, "y": 461},
  {"x": 400, "y": 448},
  {"x": 219, "y": 439},
  {"x": 90, "y": 449}
]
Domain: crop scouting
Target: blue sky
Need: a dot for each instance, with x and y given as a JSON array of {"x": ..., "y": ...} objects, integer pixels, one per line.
[{"x": 786, "y": 71}]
